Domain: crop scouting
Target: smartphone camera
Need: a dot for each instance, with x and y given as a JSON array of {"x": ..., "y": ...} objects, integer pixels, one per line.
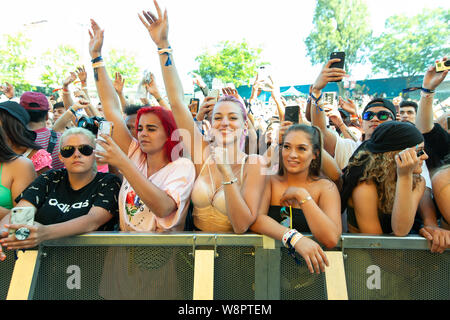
[{"x": 442, "y": 66}]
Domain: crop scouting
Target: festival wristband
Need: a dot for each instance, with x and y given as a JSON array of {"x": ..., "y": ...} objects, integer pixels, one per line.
[
  {"x": 166, "y": 51},
  {"x": 287, "y": 236},
  {"x": 99, "y": 58},
  {"x": 98, "y": 64}
]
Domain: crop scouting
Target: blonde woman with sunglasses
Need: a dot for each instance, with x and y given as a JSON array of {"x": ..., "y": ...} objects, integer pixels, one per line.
[{"x": 69, "y": 201}]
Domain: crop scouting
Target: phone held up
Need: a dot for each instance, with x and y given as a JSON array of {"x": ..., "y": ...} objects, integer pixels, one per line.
[
  {"x": 214, "y": 93},
  {"x": 340, "y": 64},
  {"x": 193, "y": 104},
  {"x": 106, "y": 128},
  {"x": 291, "y": 114},
  {"x": 442, "y": 66}
]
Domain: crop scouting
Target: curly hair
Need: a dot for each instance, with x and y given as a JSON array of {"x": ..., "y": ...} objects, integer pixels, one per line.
[{"x": 381, "y": 169}]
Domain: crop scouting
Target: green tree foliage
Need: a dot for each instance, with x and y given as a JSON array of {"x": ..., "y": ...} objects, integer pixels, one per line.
[
  {"x": 233, "y": 62},
  {"x": 410, "y": 44},
  {"x": 58, "y": 64},
  {"x": 14, "y": 61},
  {"x": 124, "y": 63},
  {"x": 340, "y": 25}
]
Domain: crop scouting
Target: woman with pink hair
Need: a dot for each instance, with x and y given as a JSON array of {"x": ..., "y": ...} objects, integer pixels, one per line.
[{"x": 157, "y": 182}]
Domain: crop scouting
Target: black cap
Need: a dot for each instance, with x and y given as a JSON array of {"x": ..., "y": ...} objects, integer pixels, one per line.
[
  {"x": 17, "y": 111},
  {"x": 393, "y": 136},
  {"x": 380, "y": 102}
]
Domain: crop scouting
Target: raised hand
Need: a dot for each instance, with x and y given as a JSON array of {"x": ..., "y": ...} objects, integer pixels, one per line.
[
  {"x": 8, "y": 90},
  {"x": 82, "y": 74},
  {"x": 96, "y": 40},
  {"x": 198, "y": 80},
  {"x": 112, "y": 154},
  {"x": 158, "y": 27},
  {"x": 335, "y": 116},
  {"x": 69, "y": 79},
  {"x": 284, "y": 125},
  {"x": 151, "y": 86},
  {"x": 80, "y": 104},
  {"x": 432, "y": 79},
  {"x": 348, "y": 105},
  {"x": 118, "y": 83},
  {"x": 328, "y": 74},
  {"x": 206, "y": 108}
]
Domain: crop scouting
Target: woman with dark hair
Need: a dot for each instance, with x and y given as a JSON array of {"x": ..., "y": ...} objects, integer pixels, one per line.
[
  {"x": 157, "y": 182},
  {"x": 382, "y": 183},
  {"x": 14, "y": 119},
  {"x": 229, "y": 182},
  {"x": 299, "y": 187},
  {"x": 16, "y": 173}
]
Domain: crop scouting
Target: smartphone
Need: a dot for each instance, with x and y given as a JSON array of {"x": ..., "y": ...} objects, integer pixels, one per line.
[
  {"x": 330, "y": 98},
  {"x": 106, "y": 128},
  {"x": 194, "y": 108},
  {"x": 22, "y": 215},
  {"x": 214, "y": 93},
  {"x": 442, "y": 66},
  {"x": 338, "y": 55},
  {"x": 291, "y": 113}
]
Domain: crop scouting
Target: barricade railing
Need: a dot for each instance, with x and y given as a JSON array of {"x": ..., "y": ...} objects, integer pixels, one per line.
[{"x": 206, "y": 266}]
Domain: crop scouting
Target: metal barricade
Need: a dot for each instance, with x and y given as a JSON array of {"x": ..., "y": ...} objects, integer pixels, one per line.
[{"x": 187, "y": 266}]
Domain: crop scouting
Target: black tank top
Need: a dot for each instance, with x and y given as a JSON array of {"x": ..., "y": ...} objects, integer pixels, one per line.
[{"x": 281, "y": 215}]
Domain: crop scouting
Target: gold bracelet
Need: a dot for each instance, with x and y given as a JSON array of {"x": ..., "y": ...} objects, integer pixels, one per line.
[{"x": 304, "y": 200}]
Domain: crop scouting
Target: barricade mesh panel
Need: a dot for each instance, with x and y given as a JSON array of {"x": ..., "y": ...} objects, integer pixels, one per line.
[
  {"x": 403, "y": 274},
  {"x": 6, "y": 270},
  {"x": 150, "y": 273},
  {"x": 234, "y": 274},
  {"x": 297, "y": 283}
]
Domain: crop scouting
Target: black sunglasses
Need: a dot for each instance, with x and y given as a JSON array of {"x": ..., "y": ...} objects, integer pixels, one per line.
[
  {"x": 419, "y": 153},
  {"x": 381, "y": 115},
  {"x": 68, "y": 151}
]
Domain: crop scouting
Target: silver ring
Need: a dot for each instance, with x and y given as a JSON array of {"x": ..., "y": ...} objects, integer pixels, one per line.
[{"x": 22, "y": 233}]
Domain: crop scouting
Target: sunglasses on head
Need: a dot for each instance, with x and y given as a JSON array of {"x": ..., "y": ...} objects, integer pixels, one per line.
[
  {"x": 68, "y": 151},
  {"x": 381, "y": 115}
]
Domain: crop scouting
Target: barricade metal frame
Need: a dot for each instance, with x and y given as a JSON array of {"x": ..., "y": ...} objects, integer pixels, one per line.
[{"x": 267, "y": 255}]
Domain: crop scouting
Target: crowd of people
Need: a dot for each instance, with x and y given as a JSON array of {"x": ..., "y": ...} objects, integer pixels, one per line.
[{"x": 222, "y": 168}]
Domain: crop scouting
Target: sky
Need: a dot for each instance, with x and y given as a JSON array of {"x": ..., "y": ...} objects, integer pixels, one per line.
[{"x": 279, "y": 27}]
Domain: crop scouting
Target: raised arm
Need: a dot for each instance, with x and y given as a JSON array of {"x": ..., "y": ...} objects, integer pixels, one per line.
[
  {"x": 67, "y": 97},
  {"x": 431, "y": 80},
  {"x": 152, "y": 88},
  {"x": 119, "y": 83},
  {"x": 108, "y": 97},
  {"x": 69, "y": 115},
  {"x": 317, "y": 113},
  {"x": 158, "y": 28}
]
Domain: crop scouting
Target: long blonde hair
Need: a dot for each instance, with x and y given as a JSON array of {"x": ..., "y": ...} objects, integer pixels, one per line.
[{"x": 381, "y": 169}]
